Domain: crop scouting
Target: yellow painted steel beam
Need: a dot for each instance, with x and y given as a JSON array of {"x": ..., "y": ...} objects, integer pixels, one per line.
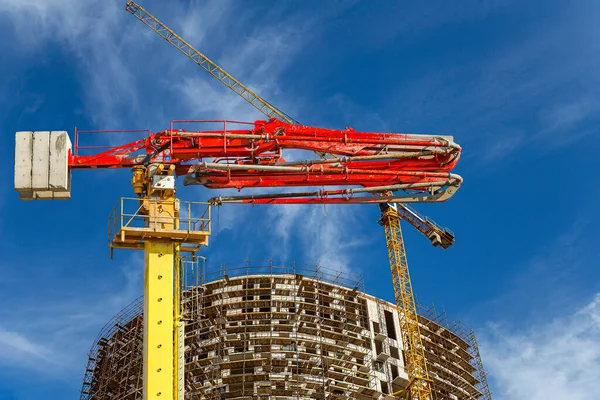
[
  {"x": 179, "y": 333},
  {"x": 416, "y": 367},
  {"x": 158, "y": 231},
  {"x": 159, "y": 313}
]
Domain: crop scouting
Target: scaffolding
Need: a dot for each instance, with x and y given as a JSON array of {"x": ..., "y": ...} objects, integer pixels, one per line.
[
  {"x": 114, "y": 367},
  {"x": 453, "y": 355},
  {"x": 268, "y": 329},
  {"x": 263, "y": 330}
]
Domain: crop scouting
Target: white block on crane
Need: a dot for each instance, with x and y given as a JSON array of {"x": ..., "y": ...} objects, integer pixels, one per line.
[
  {"x": 42, "y": 165},
  {"x": 41, "y": 161},
  {"x": 63, "y": 194},
  {"x": 60, "y": 145},
  {"x": 23, "y": 163}
]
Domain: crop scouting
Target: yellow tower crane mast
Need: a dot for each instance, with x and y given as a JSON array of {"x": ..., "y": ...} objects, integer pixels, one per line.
[{"x": 419, "y": 382}]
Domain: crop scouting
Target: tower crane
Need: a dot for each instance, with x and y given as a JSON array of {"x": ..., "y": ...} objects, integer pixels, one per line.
[
  {"x": 367, "y": 168},
  {"x": 391, "y": 213}
]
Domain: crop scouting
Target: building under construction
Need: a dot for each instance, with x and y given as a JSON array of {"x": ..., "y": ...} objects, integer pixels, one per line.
[{"x": 268, "y": 331}]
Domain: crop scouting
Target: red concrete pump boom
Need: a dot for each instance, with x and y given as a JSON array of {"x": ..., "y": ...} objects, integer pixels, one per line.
[{"x": 366, "y": 162}]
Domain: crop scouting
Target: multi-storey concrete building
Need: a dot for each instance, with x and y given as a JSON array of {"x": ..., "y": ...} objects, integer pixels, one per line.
[{"x": 273, "y": 332}]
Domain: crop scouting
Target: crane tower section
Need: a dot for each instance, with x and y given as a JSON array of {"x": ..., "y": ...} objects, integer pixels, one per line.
[{"x": 416, "y": 367}]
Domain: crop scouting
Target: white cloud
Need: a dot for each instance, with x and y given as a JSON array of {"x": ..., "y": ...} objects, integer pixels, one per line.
[
  {"x": 501, "y": 146},
  {"x": 569, "y": 114},
  {"x": 550, "y": 279},
  {"x": 130, "y": 78},
  {"x": 556, "y": 360},
  {"x": 16, "y": 348},
  {"x": 89, "y": 33},
  {"x": 126, "y": 72},
  {"x": 328, "y": 235},
  {"x": 199, "y": 20},
  {"x": 202, "y": 97},
  {"x": 563, "y": 121},
  {"x": 412, "y": 19},
  {"x": 133, "y": 272},
  {"x": 357, "y": 116},
  {"x": 285, "y": 218}
]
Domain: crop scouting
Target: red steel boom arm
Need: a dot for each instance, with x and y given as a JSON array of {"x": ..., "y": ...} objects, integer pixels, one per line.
[{"x": 367, "y": 162}]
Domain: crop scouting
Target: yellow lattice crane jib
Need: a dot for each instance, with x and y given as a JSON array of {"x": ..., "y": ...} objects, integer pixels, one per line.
[
  {"x": 416, "y": 367},
  {"x": 207, "y": 64}
]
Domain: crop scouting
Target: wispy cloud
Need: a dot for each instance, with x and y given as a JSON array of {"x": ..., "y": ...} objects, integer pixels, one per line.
[
  {"x": 357, "y": 116},
  {"x": 565, "y": 122},
  {"x": 555, "y": 360},
  {"x": 131, "y": 78},
  {"x": 88, "y": 32},
  {"x": 52, "y": 336},
  {"x": 128, "y": 74},
  {"x": 533, "y": 92},
  {"x": 415, "y": 19},
  {"x": 259, "y": 61},
  {"x": 328, "y": 235},
  {"x": 552, "y": 278},
  {"x": 17, "y": 349}
]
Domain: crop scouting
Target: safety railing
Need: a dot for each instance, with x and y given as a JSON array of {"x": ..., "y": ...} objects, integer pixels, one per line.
[
  {"x": 91, "y": 142},
  {"x": 409, "y": 210},
  {"x": 133, "y": 221}
]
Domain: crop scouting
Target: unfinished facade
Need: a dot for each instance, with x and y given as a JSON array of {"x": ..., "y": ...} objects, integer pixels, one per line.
[{"x": 286, "y": 332}]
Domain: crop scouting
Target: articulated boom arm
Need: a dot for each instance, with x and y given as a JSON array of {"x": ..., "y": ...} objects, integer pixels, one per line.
[{"x": 368, "y": 162}]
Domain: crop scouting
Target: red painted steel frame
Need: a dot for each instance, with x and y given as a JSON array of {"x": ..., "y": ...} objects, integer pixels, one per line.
[{"x": 252, "y": 156}]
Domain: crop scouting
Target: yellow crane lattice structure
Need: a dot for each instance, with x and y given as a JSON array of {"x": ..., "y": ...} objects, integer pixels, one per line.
[
  {"x": 207, "y": 64},
  {"x": 416, "y": 367}
]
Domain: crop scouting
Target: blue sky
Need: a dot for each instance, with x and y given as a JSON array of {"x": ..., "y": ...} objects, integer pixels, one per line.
[{"x": 515, "y": 82}]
